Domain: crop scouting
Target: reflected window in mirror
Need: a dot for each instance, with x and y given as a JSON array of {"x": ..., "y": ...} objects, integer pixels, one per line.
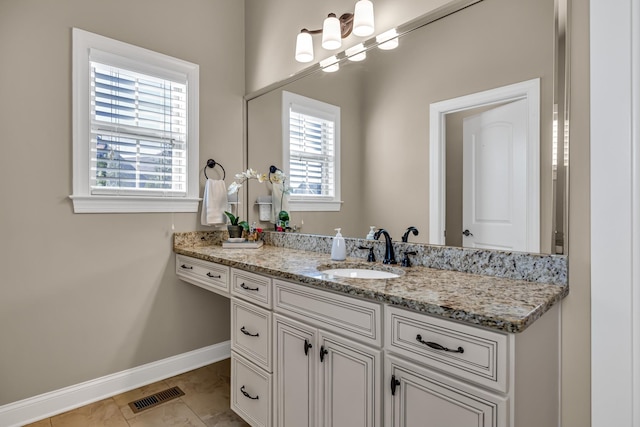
[{"x": 311, "y": 153}]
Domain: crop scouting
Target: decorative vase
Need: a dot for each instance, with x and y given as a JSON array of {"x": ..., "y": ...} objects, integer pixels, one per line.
[{"x": 235, "y": 231}]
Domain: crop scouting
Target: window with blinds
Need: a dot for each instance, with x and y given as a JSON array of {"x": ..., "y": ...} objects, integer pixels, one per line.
[
  {"x": 138, "y": 133},
  {"x": 311, "y": 147},
  {"x": 135, "y": 128},
  {"x": 311, "y": 155}
]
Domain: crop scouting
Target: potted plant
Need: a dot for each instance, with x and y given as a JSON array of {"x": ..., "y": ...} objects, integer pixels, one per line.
[{"x": 236, "y": 227}]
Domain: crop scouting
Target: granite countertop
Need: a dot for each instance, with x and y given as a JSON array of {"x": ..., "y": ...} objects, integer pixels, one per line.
[{"x": 497, "y": 303}]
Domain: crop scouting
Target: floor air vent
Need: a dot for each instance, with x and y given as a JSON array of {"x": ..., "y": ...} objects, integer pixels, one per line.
[{"x": 155, "y": 399}]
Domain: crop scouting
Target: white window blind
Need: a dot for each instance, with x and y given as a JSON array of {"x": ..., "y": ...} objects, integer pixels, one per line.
[
  {"x": 135, "y": 128},
  {"x": 138, "y": 133},
  {"x": 311, "y": 154}
]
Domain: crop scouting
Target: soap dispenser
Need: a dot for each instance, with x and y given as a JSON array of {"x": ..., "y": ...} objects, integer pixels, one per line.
[
  {"x": 338, "y": 250},
  {"x": 372, "y": 232}
]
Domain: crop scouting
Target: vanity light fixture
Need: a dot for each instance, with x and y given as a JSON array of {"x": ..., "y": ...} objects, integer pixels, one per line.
[
  {"x": 334, "y": 29},
  {"x": 388, "y": 40},
  {"x": 330, "y": 65}
]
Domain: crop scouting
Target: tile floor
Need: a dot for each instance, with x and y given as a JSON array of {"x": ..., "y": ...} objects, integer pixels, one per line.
[{"x": 205, "y": 404}]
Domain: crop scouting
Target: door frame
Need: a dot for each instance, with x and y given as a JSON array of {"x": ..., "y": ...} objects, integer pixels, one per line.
[{"x": 528, "y": 90}]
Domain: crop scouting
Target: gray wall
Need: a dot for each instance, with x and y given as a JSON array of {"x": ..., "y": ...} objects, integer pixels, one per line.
[{"x": 86, "y": 295}]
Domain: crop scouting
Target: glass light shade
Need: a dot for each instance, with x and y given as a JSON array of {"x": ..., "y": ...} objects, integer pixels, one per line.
[
  {"x": 388, "y": 40},
  {"x": 363, "y": 24},
  {"x": 356, "y": 53},
  {"x": 330, "y": 64},
  {"x": 304, "y": 47},
  {"x": 331, "y": 34}
]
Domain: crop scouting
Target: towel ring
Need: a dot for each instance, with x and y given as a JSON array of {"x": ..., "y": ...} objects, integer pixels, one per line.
[{"x": 211, "y": 164}]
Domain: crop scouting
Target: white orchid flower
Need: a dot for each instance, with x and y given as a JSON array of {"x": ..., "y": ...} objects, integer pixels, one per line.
[
  {"x": 278, "y": 177},
  {"x": 262, "y": 178},
  {"x": 233, "y": 188}
]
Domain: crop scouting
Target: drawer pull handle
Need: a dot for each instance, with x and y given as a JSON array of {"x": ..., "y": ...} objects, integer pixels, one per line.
[
  {"x": 437, "y": 346},
  {"x": 394, "y": 383},
  {"x": 186, "y": 267},
  {"x": 245, "y": 287},
  {"x": 213, "y": 276},
  {"x": 307, "y": 346},
  {"x": 244, "y": 331},
  {"x": 323, "y": 351},
  {"x": 248, "y": 395}
]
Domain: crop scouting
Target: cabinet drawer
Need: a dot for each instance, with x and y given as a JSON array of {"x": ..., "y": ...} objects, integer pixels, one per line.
[
  {"x": 417, "y": 396},
  {"x": 251, "y": 287},
  {"x": 207, "y": 275},
  {"x": 251, "y": 332},
  {"x": 345, "y": 315},
  {"x": 474, "y": 354},
  {"x": 250, "y": 392}
]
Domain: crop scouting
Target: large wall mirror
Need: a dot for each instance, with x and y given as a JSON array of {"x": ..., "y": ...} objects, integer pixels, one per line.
[{"x": 385, "y": 102}]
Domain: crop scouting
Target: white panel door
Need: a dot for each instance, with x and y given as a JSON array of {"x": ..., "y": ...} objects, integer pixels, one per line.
[
  {"x": 416, "y": 396},
  {"x": 295, "y": 373},
  {"x": 495, "y": 179},
  {"x": 350, "y": 393}
]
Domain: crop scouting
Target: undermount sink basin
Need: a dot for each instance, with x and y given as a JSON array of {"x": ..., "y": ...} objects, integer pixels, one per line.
[{"x": 360, "y": 271}]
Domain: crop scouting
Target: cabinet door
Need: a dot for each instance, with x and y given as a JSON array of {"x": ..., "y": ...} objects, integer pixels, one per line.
[
  {"x": 295, "y": 372},
  {"x": 350, "y": 392},
  {"x": 416, "y": 396}
]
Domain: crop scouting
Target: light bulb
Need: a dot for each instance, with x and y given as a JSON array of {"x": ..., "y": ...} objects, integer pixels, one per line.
[
  {"x": 331, "y": 34},
  {"x": 304, "y": 47},
  {"x": 363, "y": 23}
]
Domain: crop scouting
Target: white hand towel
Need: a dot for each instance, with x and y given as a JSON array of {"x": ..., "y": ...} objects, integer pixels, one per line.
[
  {"x": 214, "y": 203},
  {"x": 278, "y": 202}
]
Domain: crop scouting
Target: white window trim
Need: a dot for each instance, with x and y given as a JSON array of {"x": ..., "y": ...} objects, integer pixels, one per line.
[
  {"x": 306, "y": 205},
  {"x": 83, "y": 200}
]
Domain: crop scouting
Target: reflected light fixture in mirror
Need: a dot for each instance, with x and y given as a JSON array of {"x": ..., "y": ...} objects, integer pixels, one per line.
[
  {"x": 356, "y": 53},
  {"x": 388, "y": 40},
  {"x": 334, "y": 29},
  {"x": 330, "y": 65}
]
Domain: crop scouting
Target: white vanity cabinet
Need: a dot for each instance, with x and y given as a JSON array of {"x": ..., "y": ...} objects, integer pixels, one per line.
[
  {"x": 251, "y": 347},
  {"x": 442, "y": 373},
  {"x": 305, "y": 356},
  {"x": 208, "y": 275},
  {"x": 323, "y": 377},
  {"x": 422, "y": 397}
]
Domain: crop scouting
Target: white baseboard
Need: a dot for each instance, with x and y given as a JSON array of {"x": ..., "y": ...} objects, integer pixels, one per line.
[{"x": 55, "y": 402}]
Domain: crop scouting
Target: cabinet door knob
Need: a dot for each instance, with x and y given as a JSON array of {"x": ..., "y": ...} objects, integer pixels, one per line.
[
  {"x": 467, "y": 233},
  {"x": 307, "y": 346},
  {"x": 323, "y": 351},
  {"x": 394, "y": 383},
  {"x": 436, "y": 346}
]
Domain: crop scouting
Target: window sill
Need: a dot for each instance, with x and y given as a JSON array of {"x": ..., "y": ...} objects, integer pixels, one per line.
[
  {"x": 315, "y": 206},
  {"x": 119, "y": 204}
]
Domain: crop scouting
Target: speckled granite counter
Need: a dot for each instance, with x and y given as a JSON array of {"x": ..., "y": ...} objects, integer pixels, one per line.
[{"x": 493, "y": 302}]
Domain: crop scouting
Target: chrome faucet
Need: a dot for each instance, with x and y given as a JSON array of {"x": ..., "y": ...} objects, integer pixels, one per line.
[
  {"x": 389, "y": 255},
  {"x": 405, "y": 236}
]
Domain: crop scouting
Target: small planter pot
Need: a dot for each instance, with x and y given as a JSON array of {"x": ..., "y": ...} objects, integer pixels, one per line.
[{"x": 235, "y": 231}]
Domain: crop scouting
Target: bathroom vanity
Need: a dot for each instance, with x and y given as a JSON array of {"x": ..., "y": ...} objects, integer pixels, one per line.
[{"x": 431, "y": 347}]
